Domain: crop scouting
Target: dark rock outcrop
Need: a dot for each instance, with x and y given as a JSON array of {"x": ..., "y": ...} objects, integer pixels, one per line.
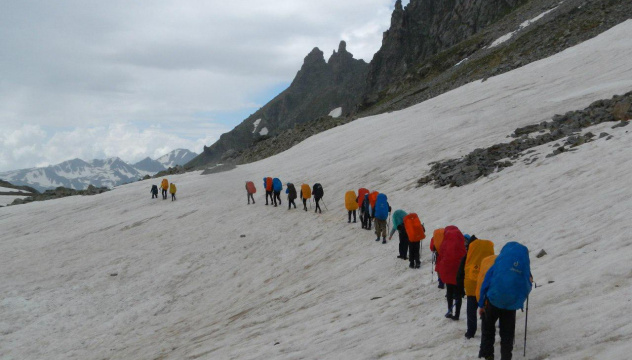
[
  {"x": 319, "y": 87},
  {"x": 424, "y": 28}
]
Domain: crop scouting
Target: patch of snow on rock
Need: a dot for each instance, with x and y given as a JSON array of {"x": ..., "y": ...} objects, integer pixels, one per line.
[
  {"x": 508, "y": 36},
  {"x": 335, "y": 113},
  {"x": 255, "y": 124},
  {"x": 263, "y": 131}
]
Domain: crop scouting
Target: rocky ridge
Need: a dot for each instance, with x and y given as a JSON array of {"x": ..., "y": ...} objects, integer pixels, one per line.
[
  {"x": 59, "y": 192},
  {"x": 567, "y": 127},
  {"x": 319, "y": 87}
]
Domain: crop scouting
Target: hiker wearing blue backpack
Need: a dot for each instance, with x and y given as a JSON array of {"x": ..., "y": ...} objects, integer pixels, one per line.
[
  {"x": 380, "y": 214},
  {"x": 506, "y": 286},
  {"x": 277, "y": 186}
]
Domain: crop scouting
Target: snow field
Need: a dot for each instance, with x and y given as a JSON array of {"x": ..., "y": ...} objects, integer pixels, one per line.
[{"x": 310, "y": 286}]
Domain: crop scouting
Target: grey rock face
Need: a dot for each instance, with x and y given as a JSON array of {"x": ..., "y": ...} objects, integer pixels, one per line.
[
  {"x": 319, "y": 87},
  {"x": 424, "y": 28}
]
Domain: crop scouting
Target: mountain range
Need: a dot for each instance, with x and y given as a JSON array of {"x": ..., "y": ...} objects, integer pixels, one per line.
[
  {"x": 79, "y": 174},
  {"x": 431, "y": 47}
]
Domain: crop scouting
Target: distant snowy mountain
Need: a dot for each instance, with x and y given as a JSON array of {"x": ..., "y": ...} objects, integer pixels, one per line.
[
  {"x": 78, "y": 174},
  {"x": 176, "y": 157},
  {"x": 149, "y": 165}
]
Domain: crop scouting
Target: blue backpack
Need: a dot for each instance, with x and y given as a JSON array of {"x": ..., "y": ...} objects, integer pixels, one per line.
[
  {"x": 381, "y": 207},
  {"x": 277, "y": 185},
  {"x": 508, "y": 280}
]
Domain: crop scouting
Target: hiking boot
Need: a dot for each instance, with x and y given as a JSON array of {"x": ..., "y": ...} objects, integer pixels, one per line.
[
  {"x": 448, "y": 315},
  {"x": 354, "y": 221},
  {"x": 349, "y": 222},
  {"x": 378, "y": 239},
  {"x": 418, "y": 265},
  {"x": 412, "y": 266},
  {"x": 384, "y": 241},
  {"x": 454, "y": 317},
  {"x": 468, "y": 336},
  {"x": 400, "y": 257},
  {"x": 441, "y": 286}
]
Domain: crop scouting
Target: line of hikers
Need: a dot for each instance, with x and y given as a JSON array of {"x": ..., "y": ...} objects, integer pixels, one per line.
[
  {"x": 495, "y": 285},
  {"x": 466, "y": 266},
  {"x": 274, "y": 186},
  {"x": 164, "y": 186}
]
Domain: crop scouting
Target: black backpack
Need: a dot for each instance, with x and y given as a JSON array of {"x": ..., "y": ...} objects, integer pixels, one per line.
[
  {"x": 154, "y": 189},
  {"x": 318, "y": 190},
  {"x": 291, "y": 191}
]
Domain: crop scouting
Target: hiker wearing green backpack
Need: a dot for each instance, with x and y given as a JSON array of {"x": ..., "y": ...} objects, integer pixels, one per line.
[{"x": 398, "y": 225}]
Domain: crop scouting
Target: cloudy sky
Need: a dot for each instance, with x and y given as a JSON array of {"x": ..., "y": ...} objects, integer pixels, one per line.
[{"x": 96, "y": 79}]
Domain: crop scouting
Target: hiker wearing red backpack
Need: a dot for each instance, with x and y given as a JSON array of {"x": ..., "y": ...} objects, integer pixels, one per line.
[
  {"x": 452, "y": 251},
  {"x": 506, "y": 286},
  {"x": 250, "y": 190}
]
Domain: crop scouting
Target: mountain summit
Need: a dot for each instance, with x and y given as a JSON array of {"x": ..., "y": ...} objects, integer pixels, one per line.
[{"x": 318, "y": 88}]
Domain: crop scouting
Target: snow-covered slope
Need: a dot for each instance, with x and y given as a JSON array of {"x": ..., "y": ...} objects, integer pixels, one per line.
[
  {"x": 176, "y": 157},
  {"x": 121, "y": 276}
]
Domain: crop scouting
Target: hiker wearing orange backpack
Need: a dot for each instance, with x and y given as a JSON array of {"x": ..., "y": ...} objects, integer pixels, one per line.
[
  {"x": 250, "y": 189},
  {"x": 435, "y": 245},
  {"x": 351, "y": 203},
  {"x": 306, "y": 193},
  {"x": 165, "y": 186},
  {"x": 267, "y": 184}
]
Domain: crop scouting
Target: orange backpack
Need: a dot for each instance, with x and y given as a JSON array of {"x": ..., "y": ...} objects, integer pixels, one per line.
[
  {"x": 268, "y": 184},
  {"x": 437, "y": 238},
  {"x": 250, "y": 187},
  {"x": 165, "y": 184},
  {"x": 373, "y": 198},
  {"x": 307, "y": 191},
  {"x": 478, "y": 250},
  {"x": 485, "y": 265},
  {"x": 351, "y": 200},
  {"x": 414, "y": 229}
]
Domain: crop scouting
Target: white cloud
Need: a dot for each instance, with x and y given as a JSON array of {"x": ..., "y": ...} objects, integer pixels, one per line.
[{"x": 80, "y": 65}]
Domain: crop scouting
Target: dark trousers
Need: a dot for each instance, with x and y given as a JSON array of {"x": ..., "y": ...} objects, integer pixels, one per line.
[
  {"x": 251, "y": 197},
  {"x": 277, "y": 196},
  {"x": 164, "y": 194},
  {"x": 354, "y": 216},
  {"x": 472, "y": 307},
  {"x": 403, "y": 248},
  {"x": 269, "y": 193},
  {"x": 413, "y": 257},
  {"x": 173, "y": 196},
  {"x": 454, "y": 297},
  {"x": 304, "y": 204},
  {"x": 317, "y": 206},
  {"x": 154, "y": 195},
  {"x": 507, "y": 319},
  {"x": 290, "y": 203},
  {"x": 366, "y": 221}
]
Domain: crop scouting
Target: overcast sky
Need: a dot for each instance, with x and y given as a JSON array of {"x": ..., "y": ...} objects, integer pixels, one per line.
[{"x": 97, "y": 79}]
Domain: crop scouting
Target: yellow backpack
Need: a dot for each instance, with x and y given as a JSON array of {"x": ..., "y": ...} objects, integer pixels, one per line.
[
  {"x": 477, "y": 251},
  {"x": 485, "y": 265},
  {"x": 351, "y": 202}
]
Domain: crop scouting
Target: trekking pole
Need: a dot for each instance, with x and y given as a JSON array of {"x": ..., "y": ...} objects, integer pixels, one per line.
[
  {"x": 324, "y": 204},
  {"x": 310, "y": 203},
  {"x": 526, "y": 318},
  {"x": 432, "y": 268}
]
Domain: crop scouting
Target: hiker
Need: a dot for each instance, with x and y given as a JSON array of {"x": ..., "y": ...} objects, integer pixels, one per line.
[
  {"x": 267, "y": 184},
  {"x": 290, "y": 190},
  {"x": 416, "y": 232},
  {"x": 365, "y": 213},
  {"x": 164, "y": 185},
  {"x": 277, "y": 186},
  {"x": 398, "y": 225},
  {"x": 506, "y": 286},
  {"x": 477, "y": 250},
  {"x": 250, "y": 190},
  {"x": 172, "y": 190},
  {"x": 452, "y": 251},
  {"x": 381, "y": 211},
  {"x": 306, "y": 193},
  {"x": 154, "y": 191},
  {"x": 351, "y": 203},
  {"x": 435, "y": 245},
  {"x": 318, "y": 192},
  {"x": 360, "y": 201}
]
